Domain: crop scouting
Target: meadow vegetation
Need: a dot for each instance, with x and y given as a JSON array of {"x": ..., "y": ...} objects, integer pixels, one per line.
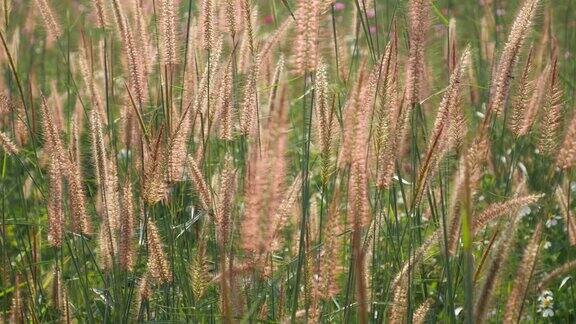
[{"x": 264, "y": 161}]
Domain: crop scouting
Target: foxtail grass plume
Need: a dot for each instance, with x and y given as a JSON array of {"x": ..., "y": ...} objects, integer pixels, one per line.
[
  {"x": 323, "y": 111},
  {"x": 199, "y": 271},
  {"x": 505, "y": 68},
  {"x": 126, "y": 251},
  {"x": 133, "y": 55},
  {"x": 250, "y": 110},
  {"x": 496, "y": 210},
  {"x": 569, "y": 220},
  {"x": 500, "y": 255},
  {"x": 330, "y": 266},
  {"x": 386, "y": 112},
  {"x": 86, "y": 69},
  {"x": 224, "y": 204},
  {"x": 157, "y": 262},
  {"x": 77, "y": 195},
  {"x": 107, "y": 248},
  {"x": 230, "y": 11},
  {"x": 523, "y": 276},
  {"x": 99, "y": 7},
  {"x": 200, "y": 184},
  {"x": 397, "y": 311},
  {"x": 226, "y": 105},
  {"x": 246, "y": 8},
  {"x": 60, "y": 296},
  {"x": 53, "y": 28},
  {"x": 8, "y": 144},
  {"x": 105, "y": 170},
  {"x": 206, "y": 23},
  {"x": 418, "y": 20},
  {"x": 522, "y": 96},
  {"x": 154, "y": 179},
  {"x": 56, "y": 166},
  {"x": 566, "y": 158},
  {"x": 350, "y": 119},
  {"x": 468, "y": 176},
  {"x": 17, "y": 308},
  {"x": 143, "y": 38},
  {"x": 564, "y": 269},
  {"x": 168, "y": 21},
  {"x": 143, "y": 292},
  {"x": 306, "y": 47},
  {"x": 422, "y": 311},
  {"x": 535, "y": 103},
  {"x": 446, "y": 132},
  {"x": 552, "y": 113}
]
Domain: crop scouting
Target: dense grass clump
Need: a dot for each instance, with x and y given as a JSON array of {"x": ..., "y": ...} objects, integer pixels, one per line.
[{"x": 287, "y": 161}]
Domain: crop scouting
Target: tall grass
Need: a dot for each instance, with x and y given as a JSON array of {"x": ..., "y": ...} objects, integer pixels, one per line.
[{"x": 287, "y": 161}]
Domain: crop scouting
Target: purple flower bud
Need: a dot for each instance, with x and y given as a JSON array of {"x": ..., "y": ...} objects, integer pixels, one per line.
[{"x": 339, "y": 6}]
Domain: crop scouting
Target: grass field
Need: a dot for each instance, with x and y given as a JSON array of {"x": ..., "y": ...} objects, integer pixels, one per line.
[{"x": 292, "y": 161}]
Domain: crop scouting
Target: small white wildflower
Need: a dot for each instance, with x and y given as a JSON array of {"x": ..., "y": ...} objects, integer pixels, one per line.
[
  {"x": 553, "y": 221},
  {"x": 522, "y": 168},
  {"x": 546, "y": 306},
  {"x": 458, "y": 310},
  {"x": 547, "y": 313},
  {"x": 547, "y": 245},
  {"x": 524, "y": 211},
  {"x": 124, "y": 153}
]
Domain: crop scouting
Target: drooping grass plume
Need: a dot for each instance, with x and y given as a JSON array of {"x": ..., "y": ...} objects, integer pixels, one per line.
[
  {"x": 560, "y": 271},
  {"x": 496, "y": 210}
]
